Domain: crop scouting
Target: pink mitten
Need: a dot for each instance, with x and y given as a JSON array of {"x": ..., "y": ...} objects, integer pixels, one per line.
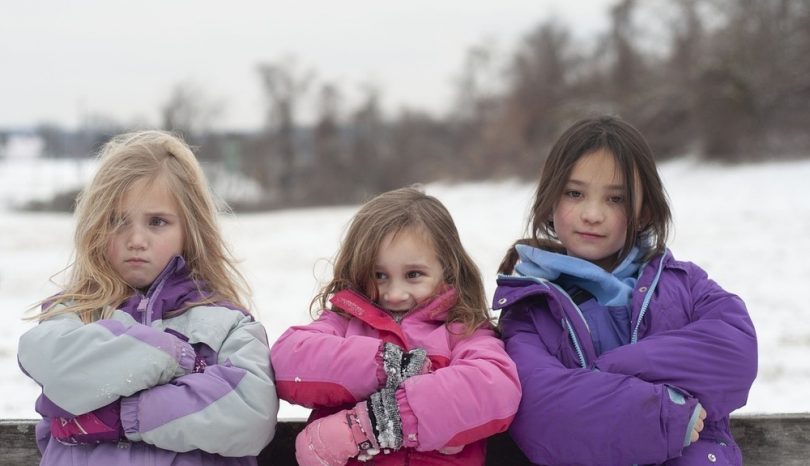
[
  {"x": 333, "y": 440},
  {"x": 101, "y": 425}
]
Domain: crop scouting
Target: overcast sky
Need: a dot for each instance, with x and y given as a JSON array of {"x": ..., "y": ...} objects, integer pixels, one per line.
[{"x": 62, "y": 59}]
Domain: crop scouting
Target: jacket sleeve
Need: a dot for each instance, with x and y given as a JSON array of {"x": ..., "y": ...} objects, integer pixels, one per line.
[
  {"x": 583, "y": 416},
  {"x": 229, "y": 409},
  {"x": 317, "y": 365},
  {"x": 714, "y": 357},
  {"x": 82, "y": 367},
  {"x": 475, "y": 396}
]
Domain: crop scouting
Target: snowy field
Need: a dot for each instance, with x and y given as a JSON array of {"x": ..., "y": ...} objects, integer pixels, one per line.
[{"x": 746, "y": 225}]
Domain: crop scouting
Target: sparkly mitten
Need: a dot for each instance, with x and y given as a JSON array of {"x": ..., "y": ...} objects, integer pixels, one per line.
[{"x": 399, "y": 365}]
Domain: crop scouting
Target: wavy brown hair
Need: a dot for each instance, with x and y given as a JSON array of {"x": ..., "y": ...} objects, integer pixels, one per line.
[
  {"x": 634, "y": 160},
  {"x": 393, "y": 212},
  {"x": 94, "y": 289}
]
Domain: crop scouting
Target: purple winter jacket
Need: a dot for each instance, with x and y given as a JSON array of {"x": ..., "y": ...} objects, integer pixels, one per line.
[{"x": 688, "y": 337}]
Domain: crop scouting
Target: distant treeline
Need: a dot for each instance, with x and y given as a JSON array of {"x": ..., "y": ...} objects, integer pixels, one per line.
[{"x": 726, "y": 80}]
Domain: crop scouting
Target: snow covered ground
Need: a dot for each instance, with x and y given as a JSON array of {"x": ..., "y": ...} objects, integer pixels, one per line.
[{"x": 746, "y": 225}]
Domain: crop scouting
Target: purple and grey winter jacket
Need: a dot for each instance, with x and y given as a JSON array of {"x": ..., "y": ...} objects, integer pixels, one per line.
[
  {"x": 143, "y": 358},
  {"x": 691, "y": 342}
]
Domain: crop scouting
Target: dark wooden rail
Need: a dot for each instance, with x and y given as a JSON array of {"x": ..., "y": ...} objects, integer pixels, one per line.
[{"x": 772, "y": 439}]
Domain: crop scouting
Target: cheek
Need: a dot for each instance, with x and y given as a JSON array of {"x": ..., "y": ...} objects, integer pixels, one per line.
[
  {"x": 562, "y": 213},
  {"x": 112, "y": 249}
]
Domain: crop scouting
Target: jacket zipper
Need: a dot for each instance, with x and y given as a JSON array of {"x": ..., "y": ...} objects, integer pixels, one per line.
[
  {"x": 648, "y": 298},
  {"x": 567, "y": 324},
  {"x": 580, "y": 354}
]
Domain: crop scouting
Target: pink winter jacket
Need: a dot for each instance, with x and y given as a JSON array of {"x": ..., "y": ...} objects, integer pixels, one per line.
[{"x": 471, "y": 392}]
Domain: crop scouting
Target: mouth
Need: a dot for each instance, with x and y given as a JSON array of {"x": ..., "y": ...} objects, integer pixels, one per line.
[
  {"x": 391, "y": 309},
  {"x": 588, "y": 235},
  {"x": 136, "y": 260}
]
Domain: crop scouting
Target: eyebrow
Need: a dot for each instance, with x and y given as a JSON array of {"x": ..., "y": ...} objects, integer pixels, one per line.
[
  {"x": 160, "y": 213},
  {"x": 616, "y": 187},
  {"x": 413, "y": 265}
]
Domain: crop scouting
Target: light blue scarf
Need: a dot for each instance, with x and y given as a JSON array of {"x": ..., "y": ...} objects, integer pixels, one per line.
[{"x": 609, "y": 288}]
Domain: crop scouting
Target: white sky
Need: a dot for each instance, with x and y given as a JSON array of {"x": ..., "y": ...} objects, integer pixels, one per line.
[{"x": 61, "y": 59}]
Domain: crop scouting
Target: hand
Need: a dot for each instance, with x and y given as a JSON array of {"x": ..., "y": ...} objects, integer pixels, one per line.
[
  {"x": 698, "y": 426},
  {"x": 400, "y": 365},
  {"x": 199, "y": 364},
  {"x": 333, "y": 440},
  {"x": 101, "y": 425},
  {"x": 199, "y": 360}
]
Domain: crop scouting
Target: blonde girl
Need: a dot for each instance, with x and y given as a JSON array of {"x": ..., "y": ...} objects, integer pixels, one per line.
[
  {"x": 149, "y": 355},
  {"x": 403, "y": 365}
]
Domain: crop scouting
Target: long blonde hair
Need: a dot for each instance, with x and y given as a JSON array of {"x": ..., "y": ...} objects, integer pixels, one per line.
[
  {"x": 94, "y": 289},
  {"x": 395, "y": 211}
]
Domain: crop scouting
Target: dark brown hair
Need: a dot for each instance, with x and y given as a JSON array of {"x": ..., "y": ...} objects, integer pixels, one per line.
[
  {"x": 393, "y": 212},
  {"x": 634, "y": 159}
]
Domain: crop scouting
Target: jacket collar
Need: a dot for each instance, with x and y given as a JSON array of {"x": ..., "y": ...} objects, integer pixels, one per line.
[
  {"x": 359, "y": 306},
  {"x": 169, "y": 292}
]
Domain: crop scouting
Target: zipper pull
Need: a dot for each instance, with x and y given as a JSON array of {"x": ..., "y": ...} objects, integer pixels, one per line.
[{"x": 142, "y": 305}]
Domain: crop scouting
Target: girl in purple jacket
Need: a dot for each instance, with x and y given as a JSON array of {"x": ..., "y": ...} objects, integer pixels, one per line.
[
  {"x": 404, "y": 367},
  {"x": 148, "y": 356},
  {"x": 625, "y": 354}
]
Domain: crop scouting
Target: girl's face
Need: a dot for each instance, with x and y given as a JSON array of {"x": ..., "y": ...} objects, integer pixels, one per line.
[
  {"x": 149, "y": 233},
  {"x": 407, "y": 271},
  {"x": 590, "y": 218}
]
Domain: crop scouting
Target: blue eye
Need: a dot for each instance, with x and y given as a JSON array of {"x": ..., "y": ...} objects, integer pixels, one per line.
[
  {"x": 573, "y": 194},
  {"x": 379, "y": 276},
  {"x": 157, "y": 222}
]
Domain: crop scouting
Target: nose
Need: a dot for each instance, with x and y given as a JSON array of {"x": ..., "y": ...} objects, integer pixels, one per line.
[
  {"x": 136, "y": 239},
  {"x": 592, "y": 212},
  {"x": 394, "y": 295}
]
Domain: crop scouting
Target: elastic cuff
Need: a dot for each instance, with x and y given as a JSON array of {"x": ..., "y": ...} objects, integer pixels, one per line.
[
  {"x": 129, "y": 418},
  {"x": 410, "y": 425},
  {"x": 378, "y": 358},
  {"x": 386, "y": 419},
  {"x": 692, "y": 421}
]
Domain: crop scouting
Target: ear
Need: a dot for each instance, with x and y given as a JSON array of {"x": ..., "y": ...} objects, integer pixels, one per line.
[{"x": 643, "y": 221}]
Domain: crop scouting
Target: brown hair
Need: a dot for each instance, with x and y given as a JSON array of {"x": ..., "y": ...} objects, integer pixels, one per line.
[
  {"x": 94, "y": 288},
  {"x": 634, "y": 159},
  {"x": 395, "y": 211}
]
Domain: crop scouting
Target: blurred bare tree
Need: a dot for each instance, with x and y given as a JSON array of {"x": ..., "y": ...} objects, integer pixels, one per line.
[
  {"x": 189, "y": 111},
  {"x": 726, "y": 80},
  {"x": 284, "y": 85},
  {"x": 330, "y": 170}
]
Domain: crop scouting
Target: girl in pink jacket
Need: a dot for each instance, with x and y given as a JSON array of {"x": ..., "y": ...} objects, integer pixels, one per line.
[{"x": 404, "y": 366}]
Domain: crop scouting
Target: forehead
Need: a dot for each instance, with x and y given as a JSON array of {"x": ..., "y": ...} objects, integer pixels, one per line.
[
  {"x": 411, "y": 239},
  {"x": 148, "y": 194},
  {"x": 598, "y": 165}
]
